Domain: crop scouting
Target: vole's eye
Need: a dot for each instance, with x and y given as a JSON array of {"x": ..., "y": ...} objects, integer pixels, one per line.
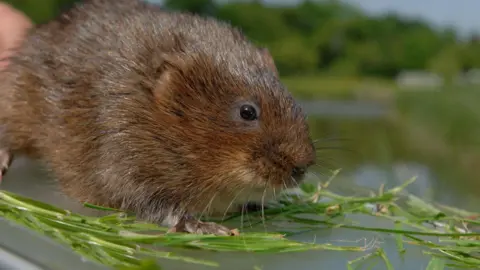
[{"x": 248, "y": 112}]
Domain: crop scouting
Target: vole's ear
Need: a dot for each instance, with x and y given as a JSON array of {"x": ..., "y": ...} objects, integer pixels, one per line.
[
  {"x": 169, "y": 70},
  {"x": 171, "y": 57},
  {"x": 172, "y": 63},
  {"x": 167, "y": 65},
  {"x": 267, "y": 57},
  {"x": 164, "y": 56}
]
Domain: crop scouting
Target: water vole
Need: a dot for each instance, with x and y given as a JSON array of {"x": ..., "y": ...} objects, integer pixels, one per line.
[{"x": 168, "y": 115}]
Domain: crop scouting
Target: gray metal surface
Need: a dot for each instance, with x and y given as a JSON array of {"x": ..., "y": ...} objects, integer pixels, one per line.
[
  {"x": 11, "y": 261},
  {"x": 23, "y": 249}
]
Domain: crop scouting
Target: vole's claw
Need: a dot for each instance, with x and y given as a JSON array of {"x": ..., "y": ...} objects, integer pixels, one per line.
[{"x": 199, "y": 227}]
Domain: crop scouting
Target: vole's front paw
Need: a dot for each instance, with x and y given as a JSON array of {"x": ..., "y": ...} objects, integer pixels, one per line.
[
  {"x": 5, "y": 160},
  {"x": 195, "y": 226}
]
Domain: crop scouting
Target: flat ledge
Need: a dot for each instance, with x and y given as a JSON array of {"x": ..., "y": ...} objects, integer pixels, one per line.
[{"x": 24, "y": 249}]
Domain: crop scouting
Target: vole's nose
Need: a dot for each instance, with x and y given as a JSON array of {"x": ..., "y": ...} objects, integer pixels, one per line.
[{"x": 298, "y": 172}]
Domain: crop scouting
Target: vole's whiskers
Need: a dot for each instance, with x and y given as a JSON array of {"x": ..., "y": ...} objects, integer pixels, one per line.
[
  {"x": 246, "y": 212},
  {"x": 330, "y": 139},
  {"x": 285, "y": 186},
  {"x": 263, "y": 207},
  {"x": 324, "y": 148},
  {"x": 241, "y": 216},
  {"x": 324, "y": 164},
  {"x": 315, "y": 174},
  {"x": 231, "y": 203},
  {"x": 295, "y": 182},
  {"x": 207, "y": 207}
]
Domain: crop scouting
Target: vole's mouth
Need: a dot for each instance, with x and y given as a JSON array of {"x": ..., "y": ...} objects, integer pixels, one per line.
[{"x": 250, "y": 207}]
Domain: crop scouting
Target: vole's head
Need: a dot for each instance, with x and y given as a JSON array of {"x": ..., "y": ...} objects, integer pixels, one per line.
[{"x": 235, "y": 123}]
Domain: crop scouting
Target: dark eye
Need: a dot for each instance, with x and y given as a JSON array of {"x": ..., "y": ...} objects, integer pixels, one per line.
[{"x": 248, "y": 112}]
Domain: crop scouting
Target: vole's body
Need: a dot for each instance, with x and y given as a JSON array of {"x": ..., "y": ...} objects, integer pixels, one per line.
[{"x": 137, "y": 108}]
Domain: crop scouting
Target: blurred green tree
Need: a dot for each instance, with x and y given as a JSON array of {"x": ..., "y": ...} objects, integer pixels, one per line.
[
  {"x": 324, "y": 36},
  {"x": 263, "y": 24},
  {"x": 294, "y": 56},
  {"x": 40, "y": 11},
  {"x": 203, "y": 7},
  {"x": 447, "y": 63}
]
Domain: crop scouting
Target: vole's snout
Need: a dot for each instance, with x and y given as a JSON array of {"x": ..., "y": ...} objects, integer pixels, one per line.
[
  {"x": 298, "y": 173},
  {"x": 301, "y": 166}
]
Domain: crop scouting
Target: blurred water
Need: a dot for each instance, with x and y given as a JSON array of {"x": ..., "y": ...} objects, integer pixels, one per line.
[{"x": 349, "y": 109}]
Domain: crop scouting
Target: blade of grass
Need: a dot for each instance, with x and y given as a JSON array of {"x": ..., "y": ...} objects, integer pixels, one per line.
[{"x": 436, "y": 264}]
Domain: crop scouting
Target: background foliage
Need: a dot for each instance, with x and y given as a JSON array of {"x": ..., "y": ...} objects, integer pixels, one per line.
[{"x": 326, "y": 36}]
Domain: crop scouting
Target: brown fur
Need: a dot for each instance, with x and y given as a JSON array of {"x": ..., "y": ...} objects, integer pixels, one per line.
[{"x": 136, "y": 108}]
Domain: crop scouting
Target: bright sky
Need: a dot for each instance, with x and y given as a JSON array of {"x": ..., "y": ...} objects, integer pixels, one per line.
[{"x": 462, "y": 14}]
